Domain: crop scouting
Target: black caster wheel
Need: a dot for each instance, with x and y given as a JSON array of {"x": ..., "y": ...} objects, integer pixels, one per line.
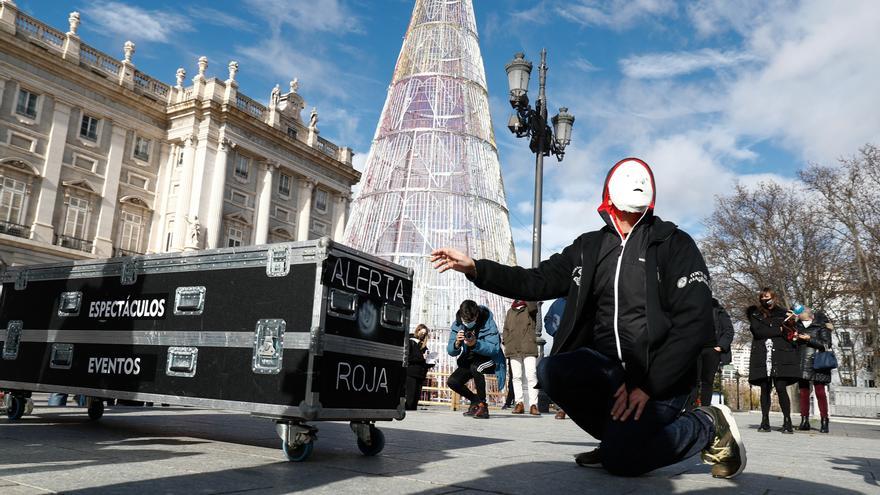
[
  {"x": 299, "y": 453},
  {"x": 377, "y": 442},
  {"x": 16, "y": 408},
  {"x": 96, "y": 409}
]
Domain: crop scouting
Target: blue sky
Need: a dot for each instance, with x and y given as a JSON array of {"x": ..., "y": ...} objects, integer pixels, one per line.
[{"x": 709, "y": 92}]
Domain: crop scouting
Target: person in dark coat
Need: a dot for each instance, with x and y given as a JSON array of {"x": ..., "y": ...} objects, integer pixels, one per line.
[
  {"x": 551, "y": 325},
  {"x": 814, "y": 335},
  {"x": 715, "y": 354},
  {"x": 521, "y": 348},
  {"x": 639, "y": 310},
  {"x": 417, "y": 367},
  {"x": 774, "y": 358}
]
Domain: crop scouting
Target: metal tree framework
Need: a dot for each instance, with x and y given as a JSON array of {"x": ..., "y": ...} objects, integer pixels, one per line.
[{"x": 432, "y": 177}]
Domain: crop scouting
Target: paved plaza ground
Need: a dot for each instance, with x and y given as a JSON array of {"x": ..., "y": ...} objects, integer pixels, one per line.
[{"x": 436, "y": 451}]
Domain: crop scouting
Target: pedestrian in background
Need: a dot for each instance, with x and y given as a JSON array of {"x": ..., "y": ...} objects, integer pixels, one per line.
[
  {"x": 521, "y": 348},
  {"x": 551, "y": 324},
  {"x": 814, "y": 335},
  {"x": 774, "y": 358},
  {"x": 417, "y": 367},
  {"x": 714, "y": 355}
]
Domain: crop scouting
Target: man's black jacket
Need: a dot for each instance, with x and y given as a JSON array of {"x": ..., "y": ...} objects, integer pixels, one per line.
[{"x": 679, "y": 303}]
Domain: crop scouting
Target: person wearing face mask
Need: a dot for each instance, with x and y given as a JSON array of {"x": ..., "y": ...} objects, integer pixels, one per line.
[
  {"x": 814, "y": 335},
  {"x": 474, "y": 341},
  {"x": 774, "y": 359},
  {"x": 521, "y": 347},
  {"x": 639, "y": 311}
]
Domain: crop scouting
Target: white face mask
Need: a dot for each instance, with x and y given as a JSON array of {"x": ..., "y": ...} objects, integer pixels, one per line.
[{"x": 630, "y": 187}]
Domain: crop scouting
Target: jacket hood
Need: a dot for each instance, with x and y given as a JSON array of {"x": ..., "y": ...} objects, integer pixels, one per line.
[{"x": 609, "y": 212}]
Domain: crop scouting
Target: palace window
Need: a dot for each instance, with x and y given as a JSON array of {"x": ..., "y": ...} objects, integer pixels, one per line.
[
  {"x": 234, "y": 236},
  {"x": 321, "y": 200},
  {"x": 27, "y": 104},
  {"x": 89, "y": 128},
  {"x": 242, "y": 167},
  {"x": 142, "y": 148},
  {"x": 130, "y": 229},
  {"x": 284, "y": 185},
  {"x": 77, "y": 218},
  {"x": 12, "y": 197}
]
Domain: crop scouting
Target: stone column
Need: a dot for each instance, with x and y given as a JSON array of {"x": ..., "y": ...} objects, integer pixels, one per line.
[
  {"x": 214, "y": 220},
  {"x": 160, "y": 204},
  {"x": 340, "y": 215},
  {"x": 304, "y": 208},
  {"x": 184, "y": 189},
  {"x": 109, "y": 194},
  {"x": 264, "y": 202},
  {"x": 42, "y": 229},
  {"x": 126, "y": 69}
]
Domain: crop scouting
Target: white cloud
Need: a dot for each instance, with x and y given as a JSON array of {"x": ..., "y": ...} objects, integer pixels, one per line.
[
  {"x": 283, "y": 58},
  {"x": 817, "y": 92},
  {"x": 359, "y": 162},
  {"x": 614, "y": 14},
  {"x": 662, "y": 65},
  {"x": 135, "y": 23},
  {"x": 216, "y": 17},
  {"x": 331, "y": 16}
]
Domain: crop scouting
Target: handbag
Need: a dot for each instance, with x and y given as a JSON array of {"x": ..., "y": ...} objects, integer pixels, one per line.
[{"x": 824, "y": 361}]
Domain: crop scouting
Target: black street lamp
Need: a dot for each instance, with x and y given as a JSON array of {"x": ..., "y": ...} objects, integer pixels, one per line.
[{"x": 532, "y": 123}]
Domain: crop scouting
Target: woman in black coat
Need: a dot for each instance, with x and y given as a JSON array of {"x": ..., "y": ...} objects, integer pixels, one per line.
[
  {"x": 417, "y": 367},
  {"x": 814, "y": 335},
  {"x": 774, "y": 358}
]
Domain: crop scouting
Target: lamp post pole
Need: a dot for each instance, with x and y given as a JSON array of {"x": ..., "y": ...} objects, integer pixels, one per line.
[{"x": 532, "y": 122}]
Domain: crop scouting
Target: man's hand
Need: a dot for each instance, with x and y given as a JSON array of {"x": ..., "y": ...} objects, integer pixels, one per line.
[
  {"x": 459, "y": 338},
  {"x": 717, "y": 349},
  {"x": 453, "y": 259},
  {"x": 803, "y": 336},
  {"x": 627, "y": 404}
]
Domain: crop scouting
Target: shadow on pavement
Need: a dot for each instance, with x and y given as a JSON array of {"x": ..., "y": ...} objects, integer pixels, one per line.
[{"x": 858, "y": 466}]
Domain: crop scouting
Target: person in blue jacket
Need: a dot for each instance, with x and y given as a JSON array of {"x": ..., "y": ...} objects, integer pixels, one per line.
[{"x": 474, "y": 340}]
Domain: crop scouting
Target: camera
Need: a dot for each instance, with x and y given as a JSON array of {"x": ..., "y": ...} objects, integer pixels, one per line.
[{"x": 470, "y": 334}]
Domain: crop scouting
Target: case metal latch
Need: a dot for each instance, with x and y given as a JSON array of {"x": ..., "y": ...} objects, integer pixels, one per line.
[
  {"x": 69, "y": 303},
  {"x": 61, "y": 357},
  {"x": 182, "y": 361},
  {"x": 21, "y": 280},
  {"x": 269, "y": 346},
  {"x": 278, "y": 261},
  {"x": 13, "y": 337},
  {"x": 189, "y": 300},
  {"x": 129, "y": 272}
]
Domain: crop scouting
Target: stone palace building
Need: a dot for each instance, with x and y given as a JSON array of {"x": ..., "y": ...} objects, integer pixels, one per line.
[{"x": 98, "y": 159}]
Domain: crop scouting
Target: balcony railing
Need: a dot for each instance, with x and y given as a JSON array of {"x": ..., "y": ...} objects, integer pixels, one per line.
[
  {"x": 36, "y": 30},
  {"x": 250, "y": 106},
  {"x": 150, "y": 86},
  {"x": 98, "y": 60},
  {"x": 119, "y": 252},
  {"x": 328, "y": 148},
  {"x": 73, "y": 243},
  {"x": 15, "y": 229}
]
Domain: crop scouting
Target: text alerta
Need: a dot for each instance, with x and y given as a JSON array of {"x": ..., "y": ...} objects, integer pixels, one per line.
[{"x": 366, "y": 280}]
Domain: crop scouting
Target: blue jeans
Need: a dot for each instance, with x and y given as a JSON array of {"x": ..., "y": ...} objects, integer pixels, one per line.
[{"x": 583, "y": 383}]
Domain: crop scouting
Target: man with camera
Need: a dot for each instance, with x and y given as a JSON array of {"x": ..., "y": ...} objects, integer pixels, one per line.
[{"x": 474, "y": 339}]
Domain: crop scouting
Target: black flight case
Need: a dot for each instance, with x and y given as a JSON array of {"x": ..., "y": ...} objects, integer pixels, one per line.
[{"x": 295, "y": 332}]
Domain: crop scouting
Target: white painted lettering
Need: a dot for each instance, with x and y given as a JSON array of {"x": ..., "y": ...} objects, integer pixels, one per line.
[{"x": 341, "y": 377}]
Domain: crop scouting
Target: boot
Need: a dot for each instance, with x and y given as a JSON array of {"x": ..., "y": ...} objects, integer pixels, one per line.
[
  {"x": 805, "y": 424},
  {"x": 786, "y": 426},
  {"x": 482, "y": 411},
  {"x": 560, "y": 414},
  {"x": 533, "y": 410},
  {"x": 824, "y": 426},
  {"x": 765, "y": 425},
  {"x": 470, "y": 410},
  {"x": 519, "y": 408}
]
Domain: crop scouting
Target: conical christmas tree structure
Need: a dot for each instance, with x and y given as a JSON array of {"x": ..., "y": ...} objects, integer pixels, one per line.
[{"x": 432, "y": 176}]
